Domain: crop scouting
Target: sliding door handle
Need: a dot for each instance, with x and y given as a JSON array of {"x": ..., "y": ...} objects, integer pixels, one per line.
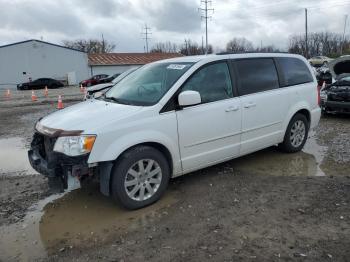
[{"x": 231, "y": 109}]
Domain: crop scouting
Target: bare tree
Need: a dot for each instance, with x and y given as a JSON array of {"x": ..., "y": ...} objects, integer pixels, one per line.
[
  {"x": 193, "y": 48},
  {"x": 165, "y": 47},
  {"x": 238, "y": 45},
  {"x": 91, "y": 46},
  {"x": 319, "y": 43},
  {"x": 267, "y": 49}
]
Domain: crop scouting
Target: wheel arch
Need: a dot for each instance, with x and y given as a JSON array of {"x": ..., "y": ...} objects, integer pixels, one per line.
[
  {"x": 300, "y": 108},
  {"x": 106, "y": 168},
  {"x": 160, "y": 147},
  {"x": 304, "y": 112}
]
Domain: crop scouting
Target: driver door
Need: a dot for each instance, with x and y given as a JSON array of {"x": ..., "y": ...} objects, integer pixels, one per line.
[{"x": 210, "y": 132}]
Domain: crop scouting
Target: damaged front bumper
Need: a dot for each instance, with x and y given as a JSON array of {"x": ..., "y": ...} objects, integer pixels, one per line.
[
  {"x": 56, "y": 166},
  {"x": 335, "y": 106}
]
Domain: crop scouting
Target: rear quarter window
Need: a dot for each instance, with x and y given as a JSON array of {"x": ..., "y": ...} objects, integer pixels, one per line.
[{"x": 294, "y": 71}]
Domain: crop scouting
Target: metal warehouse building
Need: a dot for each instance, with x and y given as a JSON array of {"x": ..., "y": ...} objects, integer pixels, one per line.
[
  {"x": 32, "y": 59},
  {"x": 116, "y": 63}
]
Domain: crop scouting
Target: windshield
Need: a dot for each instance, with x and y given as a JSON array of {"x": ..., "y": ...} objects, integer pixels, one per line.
[
  {"x": 147, "y": 85},
  {"x": 122, "y": 75}
]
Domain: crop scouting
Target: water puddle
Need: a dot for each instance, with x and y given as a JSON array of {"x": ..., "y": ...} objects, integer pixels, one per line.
[
  {"x": 271, "y": 161},
  {"x": 79, "y": 218},
  {"x": 14, "y": 158}
]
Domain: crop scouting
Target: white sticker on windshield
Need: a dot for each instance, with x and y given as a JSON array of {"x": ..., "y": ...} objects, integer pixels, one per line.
[{"x": 176, "y": 66}]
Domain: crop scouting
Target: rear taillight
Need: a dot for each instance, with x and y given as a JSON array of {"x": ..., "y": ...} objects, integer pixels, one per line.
[{"x": 318, "y": 95}]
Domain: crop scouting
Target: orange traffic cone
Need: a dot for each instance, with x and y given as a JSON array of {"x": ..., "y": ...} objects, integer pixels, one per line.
[
  {"x": 46, "y": 92},
  {"x": 34, "y": 97},
  {"x": 60, "y": 103},
  {"x": 8, "y": 93}
]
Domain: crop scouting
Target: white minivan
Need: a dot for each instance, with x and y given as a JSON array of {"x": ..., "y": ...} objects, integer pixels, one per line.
[{"x": 175, "y": 116}]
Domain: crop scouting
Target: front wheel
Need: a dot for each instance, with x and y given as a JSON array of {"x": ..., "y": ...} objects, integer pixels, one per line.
[
  {"x": 140, "y": 177},
  {"x": 296, "y": 134}
]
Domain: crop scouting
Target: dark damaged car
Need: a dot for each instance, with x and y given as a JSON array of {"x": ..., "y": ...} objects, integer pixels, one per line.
[{"x": 335, "y": 98}]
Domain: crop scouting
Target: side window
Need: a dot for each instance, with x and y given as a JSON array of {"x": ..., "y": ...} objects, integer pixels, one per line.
[
  {"x": 295, "y": 71},
  {"x": 256, "y": 75},
  {"x": 213, "y": 82}
]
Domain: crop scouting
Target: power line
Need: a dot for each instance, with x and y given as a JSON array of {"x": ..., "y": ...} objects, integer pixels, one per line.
[
  {"x": 205, "y": 16},
  {"x": 146, "y": 32}
]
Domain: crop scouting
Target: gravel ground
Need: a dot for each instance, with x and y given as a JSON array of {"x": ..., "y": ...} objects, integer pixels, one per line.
[{"x": 267, "y": 206}]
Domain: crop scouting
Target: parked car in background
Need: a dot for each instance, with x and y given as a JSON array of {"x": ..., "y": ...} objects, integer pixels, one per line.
[
  {"x": 335, "y": 98},
  {"x": 317, "y": 61},
  {"x": 107, "y": 79},
  {"x": 98, "y": 90},
  {"x": 175, "y": 116},
  {"x": 92, "y": 80},
  {"x": 40, "y": 83}
]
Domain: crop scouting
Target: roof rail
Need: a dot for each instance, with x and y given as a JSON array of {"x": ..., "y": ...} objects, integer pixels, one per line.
[{"x": 249, "y": 52}]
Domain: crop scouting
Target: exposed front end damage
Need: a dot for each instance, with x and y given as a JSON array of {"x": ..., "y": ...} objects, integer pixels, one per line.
[
  {"x": 335, "y": 98},
  {"x": 65, "y": 172}
]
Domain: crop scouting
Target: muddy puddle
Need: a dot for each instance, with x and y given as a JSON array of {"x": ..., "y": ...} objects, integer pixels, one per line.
[
  {"x": 80, "y": 218},
  {"x": 14, "y": 158},
  {"x": 84, "y": 217},
  {"x": 271, "y": 161}
]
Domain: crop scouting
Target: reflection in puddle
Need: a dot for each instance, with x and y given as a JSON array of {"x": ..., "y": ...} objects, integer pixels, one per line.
[
  {"x": 79, "y": 218},
  {"x": 271, "y": 161},
  {"x": 13, "y": 157}
]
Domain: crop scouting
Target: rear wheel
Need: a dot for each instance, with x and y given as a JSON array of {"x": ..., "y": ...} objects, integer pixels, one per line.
[
  {"x": 140, "y": 177},
  {"x": 296, "y": 134}
]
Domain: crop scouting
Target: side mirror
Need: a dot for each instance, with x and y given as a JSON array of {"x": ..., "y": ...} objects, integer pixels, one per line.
[{"x": 189, "y": 98}]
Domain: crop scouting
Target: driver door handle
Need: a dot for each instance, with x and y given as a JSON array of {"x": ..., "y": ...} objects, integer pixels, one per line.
[{"x": 249, "y": 105}]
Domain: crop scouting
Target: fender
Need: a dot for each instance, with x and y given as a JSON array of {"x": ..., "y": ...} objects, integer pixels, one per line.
[
  {"x": 123, "y": 143},
  {"x": 302, "y": 105}
]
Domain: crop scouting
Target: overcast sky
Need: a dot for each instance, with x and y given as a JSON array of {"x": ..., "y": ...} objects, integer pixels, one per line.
[{"x": 121, "y": 21}]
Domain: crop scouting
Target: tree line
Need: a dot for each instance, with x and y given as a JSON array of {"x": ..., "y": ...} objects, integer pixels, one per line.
[{"x": 319, "y": 43}]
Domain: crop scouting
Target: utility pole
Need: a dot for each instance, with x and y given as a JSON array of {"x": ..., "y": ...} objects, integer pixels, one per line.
[
  {"x": 205, "y": 16},
  {"x": 146, "y": 32},
  {"x": 103, "y": 45},
  {"x": 202, "y": 46},
  {"x": 342, "y": 44},
  {"x": 306, "y": 38},
  {"x": 187, "y": 53}
]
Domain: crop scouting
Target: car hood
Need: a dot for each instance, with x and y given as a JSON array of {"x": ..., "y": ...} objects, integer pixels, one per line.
[
  {"x": 340, "y": 67},
  {"x": 88, "y": 116},
  {"x": 98, "y": 87}
]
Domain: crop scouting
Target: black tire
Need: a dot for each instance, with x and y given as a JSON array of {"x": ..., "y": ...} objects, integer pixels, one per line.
[
  {"x": 128, "y": 160},
  {"x": 287, "y": 145}
]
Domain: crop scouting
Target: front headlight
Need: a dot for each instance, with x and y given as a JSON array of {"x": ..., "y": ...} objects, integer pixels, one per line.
[{"x": 74, "y": 145}]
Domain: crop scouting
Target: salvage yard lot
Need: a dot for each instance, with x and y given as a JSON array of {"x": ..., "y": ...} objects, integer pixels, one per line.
[{"x": 267, "y": 206}]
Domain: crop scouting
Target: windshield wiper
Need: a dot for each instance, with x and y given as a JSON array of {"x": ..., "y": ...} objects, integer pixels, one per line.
[{"x": 112, "y": 98}]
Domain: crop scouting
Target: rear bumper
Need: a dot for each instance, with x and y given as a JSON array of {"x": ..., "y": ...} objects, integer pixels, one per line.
[{"x": 315, "y": 117}]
